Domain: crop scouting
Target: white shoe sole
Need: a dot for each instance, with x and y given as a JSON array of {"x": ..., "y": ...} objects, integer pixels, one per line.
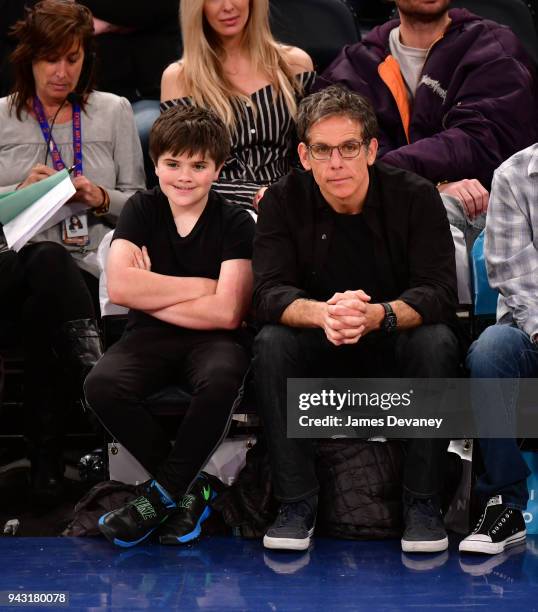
[
  {"x": 288, "y": 543},
  {"x": 425, "y": 546},
  {"x": 491, "y": 548}
]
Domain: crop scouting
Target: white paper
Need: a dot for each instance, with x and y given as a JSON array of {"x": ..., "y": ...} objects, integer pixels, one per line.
[{"x": 26, "y": 225}]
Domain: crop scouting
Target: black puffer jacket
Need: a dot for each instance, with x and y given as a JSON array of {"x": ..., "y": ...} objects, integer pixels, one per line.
[
  {"x": 360, "y": 488},
  {"x": 360, "y": 494},
  {"x": 248, "y": 506}
]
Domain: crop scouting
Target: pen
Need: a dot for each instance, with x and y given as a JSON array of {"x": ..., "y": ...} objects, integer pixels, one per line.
[{"x": 70, "y": 170}]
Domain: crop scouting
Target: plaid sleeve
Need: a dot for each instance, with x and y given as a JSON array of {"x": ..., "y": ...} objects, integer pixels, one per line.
[{"x": 511, "y": 254}]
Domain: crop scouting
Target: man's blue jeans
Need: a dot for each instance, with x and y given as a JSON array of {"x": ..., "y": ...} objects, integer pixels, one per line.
[{"x": 501, "y": 351}]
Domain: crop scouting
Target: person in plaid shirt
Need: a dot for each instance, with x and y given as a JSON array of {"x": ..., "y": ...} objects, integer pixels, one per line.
[{"x": 508, "y": 349}]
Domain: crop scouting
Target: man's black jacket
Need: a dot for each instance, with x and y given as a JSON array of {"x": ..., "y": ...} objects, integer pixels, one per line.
[{"x": 411, "y": 238}]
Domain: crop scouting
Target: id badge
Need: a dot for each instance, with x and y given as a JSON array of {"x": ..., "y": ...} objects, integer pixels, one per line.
[{"x": 75, "y": 230}]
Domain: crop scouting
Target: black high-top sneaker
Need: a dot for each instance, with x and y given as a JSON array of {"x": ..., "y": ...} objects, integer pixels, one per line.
[
  {"x": 498, "y": 527},
  {"x": 185, "y": 524},
  {"x": 294, "y": 526},
  {"x": 134, "y": 522}
]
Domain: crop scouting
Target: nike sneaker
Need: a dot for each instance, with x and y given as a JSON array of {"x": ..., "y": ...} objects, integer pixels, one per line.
[
  {"x": 194, "y": 508},
  {"x": 138, "y": 519}
]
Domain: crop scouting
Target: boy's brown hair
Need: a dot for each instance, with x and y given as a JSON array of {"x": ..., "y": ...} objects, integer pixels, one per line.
[{"x": 192, "y": 130}]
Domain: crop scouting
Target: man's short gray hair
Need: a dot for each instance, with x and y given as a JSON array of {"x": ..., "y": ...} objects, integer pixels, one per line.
[{"x": 336, "y": 101}]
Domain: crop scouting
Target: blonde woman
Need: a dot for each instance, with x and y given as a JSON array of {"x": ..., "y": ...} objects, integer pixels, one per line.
[{"x": 232, "y": 64}]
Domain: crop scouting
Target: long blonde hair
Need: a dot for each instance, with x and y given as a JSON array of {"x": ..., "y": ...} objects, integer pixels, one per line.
[{"x": 203, "y": 74}]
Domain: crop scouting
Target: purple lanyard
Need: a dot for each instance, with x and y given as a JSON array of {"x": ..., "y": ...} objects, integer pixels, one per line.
[{"x": 77, "y": 137}]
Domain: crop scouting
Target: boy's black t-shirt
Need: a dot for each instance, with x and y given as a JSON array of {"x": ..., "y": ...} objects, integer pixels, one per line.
[{"x": 222, "y": 232}]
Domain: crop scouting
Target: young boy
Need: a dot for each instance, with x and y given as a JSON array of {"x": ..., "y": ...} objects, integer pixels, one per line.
[{"x": 180, "y": 260}]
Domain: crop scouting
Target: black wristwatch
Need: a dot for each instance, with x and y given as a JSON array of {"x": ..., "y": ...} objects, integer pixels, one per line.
[{"x": 390, "y": 321}]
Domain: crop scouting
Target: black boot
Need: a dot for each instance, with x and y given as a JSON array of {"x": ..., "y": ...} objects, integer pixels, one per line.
[
  {"x": 45, "y": 445},
  {"x": 79, "y": 347}
]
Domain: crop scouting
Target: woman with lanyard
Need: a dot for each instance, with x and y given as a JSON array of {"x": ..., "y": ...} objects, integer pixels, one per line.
[{"x": 53, "y": 120}]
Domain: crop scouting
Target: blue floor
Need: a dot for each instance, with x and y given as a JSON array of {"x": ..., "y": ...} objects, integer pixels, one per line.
[{"x": 222, "y": 573}]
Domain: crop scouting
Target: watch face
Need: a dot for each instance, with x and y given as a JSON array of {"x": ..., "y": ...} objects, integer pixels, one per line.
[{"x": 390, "y": 322}]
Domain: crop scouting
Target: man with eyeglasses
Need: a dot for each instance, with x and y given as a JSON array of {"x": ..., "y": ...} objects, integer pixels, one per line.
[{"x": 354, "y": 276}]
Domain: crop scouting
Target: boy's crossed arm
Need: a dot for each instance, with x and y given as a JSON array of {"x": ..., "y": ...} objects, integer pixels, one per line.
[
  {"x": 192, "y": 302},
  {"x": 224, "y": 309},
  {"x": 137, "y": 287}
]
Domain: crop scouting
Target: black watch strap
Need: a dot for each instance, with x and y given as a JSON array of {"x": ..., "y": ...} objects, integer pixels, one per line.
[{"x": 390, "y": 321}]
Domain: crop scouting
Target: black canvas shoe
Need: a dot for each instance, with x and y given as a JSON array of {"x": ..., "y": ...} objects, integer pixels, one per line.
[
  {"x": 294, "y": 526},
  {"x": 498, "y": 527},
  {"x": 424, "y": 530},
  {"x": 185, "y": 524},
  {"x": 134, "y": 522}
]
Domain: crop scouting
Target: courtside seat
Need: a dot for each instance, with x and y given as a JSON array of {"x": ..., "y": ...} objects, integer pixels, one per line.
[
  {"x": 484, "y": 297},
  {"x": 515, "y": 14},
  {"x": 320, "y": 27}
]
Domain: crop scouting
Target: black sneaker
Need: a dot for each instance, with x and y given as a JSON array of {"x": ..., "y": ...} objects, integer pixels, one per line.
[
  {"x": 294, "y": 526},
  {"x": 424, "y": 530},
  {"x": 134, "y": 522},
  {"x": 194, "y": 508},
  {"x": 498, "y": 527}
]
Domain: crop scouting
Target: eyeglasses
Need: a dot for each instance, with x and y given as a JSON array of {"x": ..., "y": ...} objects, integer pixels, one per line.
[{"x": 347, "y": 150}]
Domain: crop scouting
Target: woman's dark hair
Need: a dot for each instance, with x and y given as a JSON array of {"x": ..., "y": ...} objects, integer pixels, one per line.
[
  {"x": 48, "y": 30},
  {"x": 192, "y": 130}
]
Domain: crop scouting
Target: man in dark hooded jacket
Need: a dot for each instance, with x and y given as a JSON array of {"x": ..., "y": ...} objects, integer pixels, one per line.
[{"x": 454, "y": 96}]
